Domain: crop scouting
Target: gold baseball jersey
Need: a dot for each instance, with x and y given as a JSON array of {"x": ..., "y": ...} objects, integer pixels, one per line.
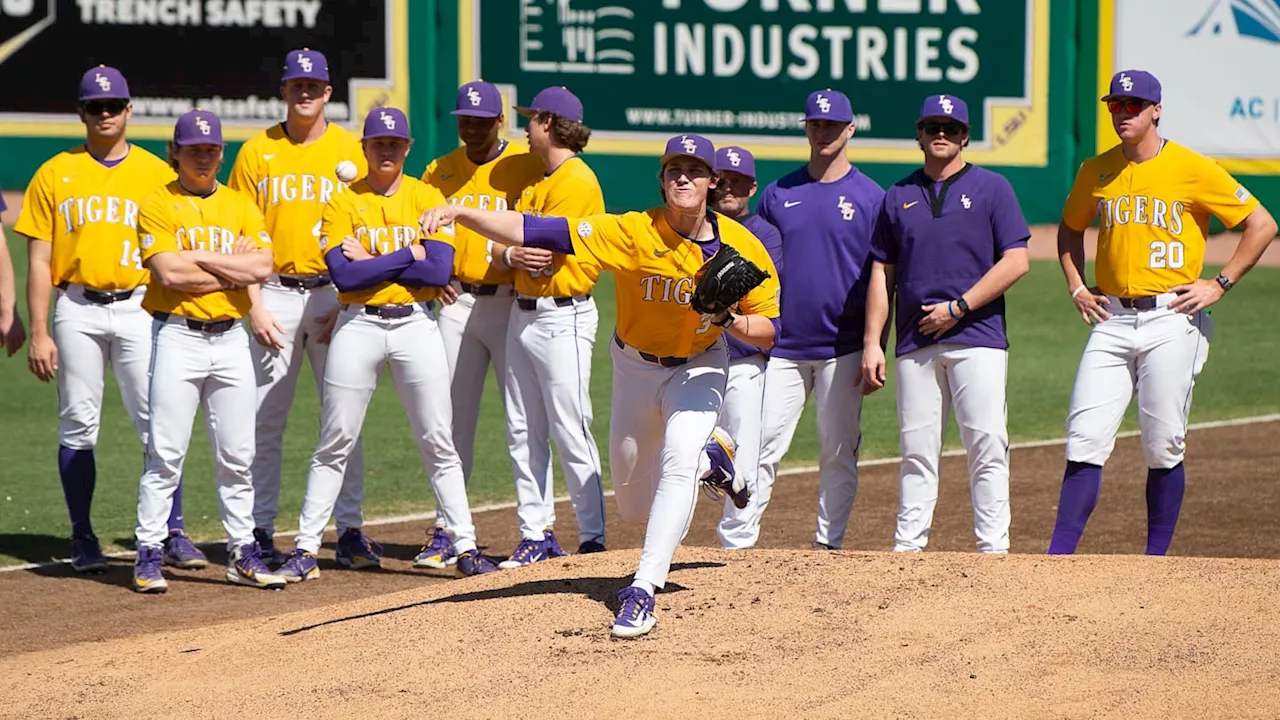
[
  {"x": 89, "y": 212},
  {"x": 174, "y": 220},
  {"x": 495, "y": 185},
  {"x": 1153, "y": 216},
  {"x": 571, "y": 191},
  {"x": 653, "y": 268},
  {"x": 291, "y": 183},
  {"x": 383, "y": 224}
]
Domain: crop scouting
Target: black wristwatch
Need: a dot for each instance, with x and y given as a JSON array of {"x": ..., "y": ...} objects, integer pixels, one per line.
[
  {"x": 963, "y": 305},
  {"x": 728, "y": 320},
  {"x": 1225, "y": 282}
]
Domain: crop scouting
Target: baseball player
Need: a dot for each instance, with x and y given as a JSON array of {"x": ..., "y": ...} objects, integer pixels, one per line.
[
  {"x": 950, "y": 241},
  {"x": 12, "y": 332},
  {"x": 388, "y": 282},
  {"x": 825, "y": 212},
  {"x": 744, "y": 391},
  {"x": 487, "y": 172},
  {"x": 1150, "y": 332},
  {"x": 80, "y": 218},
  {"x": 669, "y": 362},
  {"x": 550, "y": 339},
  {"x": 289, "y": 170},
  {"x": 204, "y": 243}
]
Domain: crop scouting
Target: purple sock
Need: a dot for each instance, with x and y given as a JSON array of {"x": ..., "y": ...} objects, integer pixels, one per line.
[
  {"x": 175, "y": 512},
  {"x": 1081, "y": 485},
  {"x": 79, "y": 473},
  {"x": 1164, "y": 502}
]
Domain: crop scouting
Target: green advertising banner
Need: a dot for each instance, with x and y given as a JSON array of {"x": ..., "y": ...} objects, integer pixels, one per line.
[{"x": 741, "y": 69}]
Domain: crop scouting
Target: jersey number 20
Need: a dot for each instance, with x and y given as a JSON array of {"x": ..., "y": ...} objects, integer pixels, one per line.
[{"x": 1166, "y": 255}]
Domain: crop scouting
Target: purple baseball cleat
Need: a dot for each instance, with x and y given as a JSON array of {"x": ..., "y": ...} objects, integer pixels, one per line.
[
  {"x": 147, "y": 577},
  {"x": 299, "y": 565},
  {"x": 357, "y": 551},
  {"x": 526, "y": 553},
  {"x": 717, "y": 476},
  {"x": 635, "y": 617},
  {"x": 438, "y": 552},
  {"x": 472, "y": 562},
  {"x": 179, "y": 551},
  {"x": 552, "y": 544},
  {"x": 245, "y": 567},
  {"x": 86, "y": 555},
  {"x": 267, "y": 551}
]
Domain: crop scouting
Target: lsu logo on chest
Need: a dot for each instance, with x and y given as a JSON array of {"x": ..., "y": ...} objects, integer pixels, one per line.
[
  {"x": 1141, "y": 210},
  {"x": 294, "y": 187},
  {"x": 76, "y": 212}
]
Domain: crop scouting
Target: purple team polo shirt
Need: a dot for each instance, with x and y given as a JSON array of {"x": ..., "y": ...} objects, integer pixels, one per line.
[
  {"x": 826, "y": 233},
  {"x": 941, "y": 241},
  {"x": 768, "y": 236}
]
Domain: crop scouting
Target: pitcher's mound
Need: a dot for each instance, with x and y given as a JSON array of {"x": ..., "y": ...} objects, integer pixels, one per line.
[{"x": 765, "y": 633}]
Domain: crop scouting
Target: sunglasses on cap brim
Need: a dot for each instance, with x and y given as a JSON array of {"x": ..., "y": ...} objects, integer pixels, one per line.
[
  {"x": 951, "y": 129},
  {"x": 114, "y": 106},
  {"x": 1132, "y": 107}
]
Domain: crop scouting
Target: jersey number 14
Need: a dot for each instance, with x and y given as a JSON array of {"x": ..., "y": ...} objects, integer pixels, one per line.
[
  {"x": 131, "y": 256},
  {"x": 1166, "y": 255}
]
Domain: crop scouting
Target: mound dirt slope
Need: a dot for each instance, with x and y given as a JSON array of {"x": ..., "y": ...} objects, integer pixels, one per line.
[{"x": 766, "y": 633}]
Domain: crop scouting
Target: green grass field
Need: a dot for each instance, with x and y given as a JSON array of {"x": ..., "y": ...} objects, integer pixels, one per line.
[{"x": 1046, "y": 336}]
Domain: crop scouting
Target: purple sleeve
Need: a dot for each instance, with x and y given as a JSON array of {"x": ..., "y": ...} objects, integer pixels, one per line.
[
  {"x": 1008, "y": 225},
  {"x": 548, "y": 233},
  {"x": 361, "y": 275},
  {"x": 884, "y": 249},
  {"x": 777, "y": 329},
  {"x": 763, "y": 207},
  {"x": 434, "y": 271},
  {"x": 3, "y": 206}
]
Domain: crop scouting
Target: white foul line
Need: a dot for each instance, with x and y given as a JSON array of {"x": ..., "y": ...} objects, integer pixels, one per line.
[{"x": 796, "y": 470}]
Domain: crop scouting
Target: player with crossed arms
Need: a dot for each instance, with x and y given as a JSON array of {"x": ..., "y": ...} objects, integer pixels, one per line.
[
  {"x": 743, "y": 407},
  {"x": 80, "y": 217},
  {"x": 950, "y": 241},
  {"x": 825, "y": 212},
  {"x": 669, "y": 362},
  {"x": 487, "y": 172},
  {"x": 550, "y": 339},
  {"x": 387, "y": 282},
  {"x": 1150, "y": 332},
  {"x": 289, "y": 169},
  {"x": 205, "y": 243}
]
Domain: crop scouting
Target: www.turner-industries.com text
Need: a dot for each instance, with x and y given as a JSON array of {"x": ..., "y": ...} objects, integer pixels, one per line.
[{"x": 744, "y": 119}]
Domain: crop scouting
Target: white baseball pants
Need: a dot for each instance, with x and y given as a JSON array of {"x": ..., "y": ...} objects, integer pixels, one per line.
[
  {"x": 191, "y": 370},
  {"x": 741, "y": 416},
  {"x": 933, "y": 381},
  {"x": 661, "y": 422},
  {"x": 89, "y": 338},
  {"x": 474, "y": 330},
  {"x": 1160, "y": 353},
  {"x": 299, "y": 312},
  {"x": 412, "y": 349},
  {"x": 787, "y": 385},
  {"x": 548, "y": 397}
]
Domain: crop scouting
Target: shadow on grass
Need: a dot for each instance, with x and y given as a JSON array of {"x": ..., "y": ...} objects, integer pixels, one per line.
[
  {"x": 32, "y": 548},
  {"x": 603, "y": 590}
]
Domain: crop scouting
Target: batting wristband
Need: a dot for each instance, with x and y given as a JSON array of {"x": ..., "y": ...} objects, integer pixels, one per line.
[
  {"x": 506, "y": 255},
  {"x": 1077, "y": 291}
]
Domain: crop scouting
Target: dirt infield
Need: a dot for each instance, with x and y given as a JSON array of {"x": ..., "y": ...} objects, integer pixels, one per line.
[{"x": 858, "y": 632}]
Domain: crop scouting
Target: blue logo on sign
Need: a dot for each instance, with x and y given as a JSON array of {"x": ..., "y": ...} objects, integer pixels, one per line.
[{"x": 1247, "y": 18}]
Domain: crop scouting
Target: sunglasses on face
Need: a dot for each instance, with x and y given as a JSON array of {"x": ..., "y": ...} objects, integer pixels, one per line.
[
  {"x": 951, "y": 129},
  {"x": 111, "y": 107},
  {"x": 1132, "y": 107}
]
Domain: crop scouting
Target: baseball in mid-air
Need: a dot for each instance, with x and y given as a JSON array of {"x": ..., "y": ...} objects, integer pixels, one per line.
[{"x": 346, "y": 171}]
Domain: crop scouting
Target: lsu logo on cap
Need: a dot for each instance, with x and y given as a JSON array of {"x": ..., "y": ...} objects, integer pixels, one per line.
[
  {"x": 203, "y": 125},
  {"x": 387, "y": 120},
  {"x": 1126, "y": 82},
  {"x": 734, "y": 158},
  {"x": 304, "y": 62},
  {"x": 946, "y": 104},
  {"x": 823, "y": 103},
  {"x": 473, "y": 96},
  {"x": 103, "y": 81},
  {"x": 690, "y": 145}
]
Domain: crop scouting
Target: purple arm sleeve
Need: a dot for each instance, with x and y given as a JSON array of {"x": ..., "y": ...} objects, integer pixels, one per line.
[
  {"x": 434, "y": 271},
  {"x": 777, "y": 329},
  {"x": 351, "y": 276},
  {"x": 548, "y": 233}
]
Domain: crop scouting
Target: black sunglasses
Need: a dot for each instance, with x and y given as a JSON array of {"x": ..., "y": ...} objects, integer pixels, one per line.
[
  {"x": 111, "y": 107},
  {"x": 951, "y": 129}
]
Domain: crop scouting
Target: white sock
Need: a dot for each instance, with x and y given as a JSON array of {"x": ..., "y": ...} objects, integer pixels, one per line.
[{"x": 645, "y": 586}]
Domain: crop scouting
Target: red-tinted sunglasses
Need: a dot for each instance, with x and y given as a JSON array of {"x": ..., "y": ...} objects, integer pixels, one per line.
[{"x": 1132, "y": 107}]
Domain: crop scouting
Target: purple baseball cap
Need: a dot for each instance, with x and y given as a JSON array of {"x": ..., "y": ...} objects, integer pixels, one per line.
[
  {"x": 735, "y": 159},
  {"x": 386, "y": 122},
  {"x": 693, "y": 146},
  {"x": 828, "y": 104},
  {"x": 557, "y": 101},
  {"x": 305, "y": 64},
  {"x": 198, "y": 127},
  {"x": 1135, "y": 84},
  {"x": 103, "y": 83},
  {"x": 945, "y": 106},
  {"x": 479, "y": 99}
]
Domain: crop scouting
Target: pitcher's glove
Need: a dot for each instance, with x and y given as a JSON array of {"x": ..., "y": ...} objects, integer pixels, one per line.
[{"x": 724, "y": 280}]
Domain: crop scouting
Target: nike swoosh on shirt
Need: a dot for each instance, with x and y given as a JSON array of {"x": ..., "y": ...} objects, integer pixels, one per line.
[
  {"x": 791, "y": 204},
  {"x": 660, "y": 253},
  {"x": 908, "y": 206},
  {"x": 268, "y": 157}
]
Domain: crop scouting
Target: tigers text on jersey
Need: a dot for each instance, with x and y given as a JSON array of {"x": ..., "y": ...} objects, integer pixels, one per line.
[
  {"x": 495, "y": 185},
  {"x": 571, "y": 190},
  {"x": 1153, "y": 216},
  {"x": 90, "y": 213},
  {"x": 383, "y": 224},
  {"x": 174, "y": 220},
  {"x": 653, "y": 269},
  {"x": 291, "y": 183}
]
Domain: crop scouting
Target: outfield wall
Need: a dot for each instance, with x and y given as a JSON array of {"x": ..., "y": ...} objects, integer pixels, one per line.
[{"x": 1030, "y": 70}]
